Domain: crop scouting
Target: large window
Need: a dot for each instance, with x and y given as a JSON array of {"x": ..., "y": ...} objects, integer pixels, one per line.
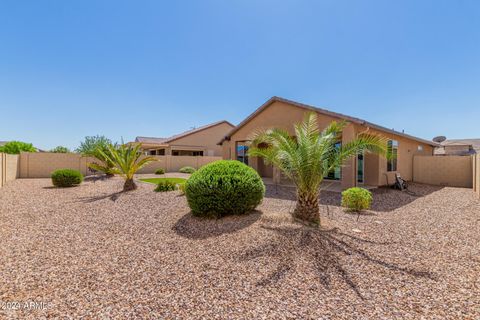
[
  {"x": 392, "y": 152},
  {"x": 336, "y": 173},
  {"x": 242, "y": 150}
]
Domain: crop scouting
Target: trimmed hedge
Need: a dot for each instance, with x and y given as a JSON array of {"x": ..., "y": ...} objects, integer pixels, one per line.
[
  {"x": 166, "y": 185},
  {"x": 187, "y": 170},
  {"x": 63, "y": 178},
  {"x": 160, "y": 171},
  {"x": 356, "y": 199},
  {"x": 224, "y": 187}
]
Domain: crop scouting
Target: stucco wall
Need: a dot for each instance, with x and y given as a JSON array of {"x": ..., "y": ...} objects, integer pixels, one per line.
[
  {"x": 207, "y": 139},
  {"x": 41, "y": 165},
  {"x": 174, "y": 163},
  {"x": 454, "y": 171},
  {"x": 476, "y": 174},
  {"x": 283, "y": 115},
  {"x": 9, "y": 168}
]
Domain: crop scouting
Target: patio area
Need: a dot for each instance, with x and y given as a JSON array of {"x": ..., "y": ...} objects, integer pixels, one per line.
[{"x": 95, "y": 252}]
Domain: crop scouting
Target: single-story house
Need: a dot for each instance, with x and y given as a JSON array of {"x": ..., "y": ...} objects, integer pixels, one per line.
[
  {"x": 201, "y": 141},
  {"x": 367, "y": 169},
  {"x": 458, "y": 147}
]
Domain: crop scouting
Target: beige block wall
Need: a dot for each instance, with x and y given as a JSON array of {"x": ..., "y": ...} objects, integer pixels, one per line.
[
  {"x": 476, "y": 174},
  {"x": 206, "y": 139},
  {"x": 42, "y": 164},
  {"x": 9, "y": 168},
  {"x": 174, "y": 163},
  {"x": 454, "y": 171}
]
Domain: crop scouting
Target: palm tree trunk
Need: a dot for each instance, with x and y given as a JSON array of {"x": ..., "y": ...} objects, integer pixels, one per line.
[
  {"x": 307, "y": 207},
  {"x": 129, "y": 185}
]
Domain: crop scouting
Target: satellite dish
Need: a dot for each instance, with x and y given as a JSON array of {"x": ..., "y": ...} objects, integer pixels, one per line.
[{"x": 439, "y": 139}]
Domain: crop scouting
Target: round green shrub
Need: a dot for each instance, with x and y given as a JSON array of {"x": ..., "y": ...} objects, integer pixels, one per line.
[
  {"x": 160, "y": 171},
  {"x": 224, "y": 187},
  {"x": 187, "y": 170},
  {"x": 66, "y": 178},
  {"x": 356, "y": 199},
  {"x": 166, "y": 185}
]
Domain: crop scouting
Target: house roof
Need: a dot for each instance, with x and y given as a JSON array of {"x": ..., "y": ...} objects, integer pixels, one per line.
[
  {"x": 326, "y": 112},
  {"x": 475, "y": 143},
  {"x": 152, "y": 140}
]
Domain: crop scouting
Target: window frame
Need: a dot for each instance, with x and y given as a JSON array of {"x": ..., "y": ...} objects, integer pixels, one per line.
[{"x": 392, "y": 155}]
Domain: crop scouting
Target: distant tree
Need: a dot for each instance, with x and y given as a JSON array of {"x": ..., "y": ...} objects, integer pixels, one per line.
[
  {"x": 91, "y": 144},
  {"x": 60, "y": 149},
  {"x": 98, "y": 147},
  {"x": 15, "y": 147}
]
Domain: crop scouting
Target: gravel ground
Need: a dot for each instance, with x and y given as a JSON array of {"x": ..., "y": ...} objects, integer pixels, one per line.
[{"x": 92, "y": 252}]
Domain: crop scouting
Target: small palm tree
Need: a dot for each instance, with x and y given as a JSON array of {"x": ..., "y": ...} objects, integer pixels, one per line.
[
  {"x": 127, "y": 160},
  {"x": 106, "y": 166},
  {"x": 309, "y": 156}
]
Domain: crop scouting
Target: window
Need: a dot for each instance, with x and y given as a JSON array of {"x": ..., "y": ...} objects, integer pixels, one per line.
[
  {"x": 420, "y": 148},
  {"x": 242, "y": 152},
  {"x": 392, "y": 152},
  {"x": 336, "y": 173}
]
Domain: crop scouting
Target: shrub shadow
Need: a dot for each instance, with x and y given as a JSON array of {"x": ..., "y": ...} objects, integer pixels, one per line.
[
  {"x": 196, "y": 228},
  {"x": 325, "y": 249}
]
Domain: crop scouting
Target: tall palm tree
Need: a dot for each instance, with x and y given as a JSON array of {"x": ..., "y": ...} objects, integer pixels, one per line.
[
  {"x": 127, "y": 160},
  {"x": 309, "y": 156}
]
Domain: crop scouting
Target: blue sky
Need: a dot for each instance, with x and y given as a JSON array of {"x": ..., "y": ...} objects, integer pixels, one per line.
[{"x": 155, "y": 68}]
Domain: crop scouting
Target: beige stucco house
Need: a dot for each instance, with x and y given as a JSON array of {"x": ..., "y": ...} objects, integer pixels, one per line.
[
  {"x": 201, "y": 141},
  {"x": 366, "y": 169}
]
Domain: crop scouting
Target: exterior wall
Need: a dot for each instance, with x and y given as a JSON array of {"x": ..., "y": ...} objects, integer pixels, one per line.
[
  {"x": 41, "y": 165},
  {"x": 9, "y": 168},
  {"x": 284, "y": 115},
  {"x": 407, "y": 149},
  {"x": 453, "y": 171},
  {"x": 476, "y": 174},
  {"x": 454, "y": 150},
  {"x": 205, "y": 140},
  {"x": 174, "y": 163}
]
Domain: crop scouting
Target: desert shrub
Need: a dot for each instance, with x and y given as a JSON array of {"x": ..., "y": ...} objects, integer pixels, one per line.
[
  {"x": 187, "y": 170},
  {"x": 15, "y": 147},
  {"x": 160, "y": 171},
  {"x": 60, "y": 149},
  {"x": 356, "y": 199},
  {"x": 224, "y": 187},
  {"x": 66, "y": 178},
  {"x": 166, "y": 185},
  {"x": 181, "y": 188}
]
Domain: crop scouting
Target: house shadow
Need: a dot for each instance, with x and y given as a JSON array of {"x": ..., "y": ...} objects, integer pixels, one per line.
[
  {"x": 385, "y": 199},
  {"x": 325, "y": 250},
  {"x": 197, "y": 228}
]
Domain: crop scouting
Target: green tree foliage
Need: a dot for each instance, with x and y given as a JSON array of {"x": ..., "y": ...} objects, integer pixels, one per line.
[
  {"x": 15, "y": 147},
  {"x": 60, "y": 149}
]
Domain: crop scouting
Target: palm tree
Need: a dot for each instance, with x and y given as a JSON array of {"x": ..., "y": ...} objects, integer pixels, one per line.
[
  {"x": 309, "y": 156},
  {"x": 106, "y": 166},
  {"x": 127, "y": 160}
]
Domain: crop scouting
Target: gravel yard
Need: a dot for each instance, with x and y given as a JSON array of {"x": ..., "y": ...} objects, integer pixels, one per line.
[{"x": 93, "y": 252}]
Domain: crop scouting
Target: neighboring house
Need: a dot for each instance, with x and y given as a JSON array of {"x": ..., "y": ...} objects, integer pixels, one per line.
[
  {"x": 367, "y": 169},
  {"x": 458, "y": 147},
  {"x": 201, "y": 141}
]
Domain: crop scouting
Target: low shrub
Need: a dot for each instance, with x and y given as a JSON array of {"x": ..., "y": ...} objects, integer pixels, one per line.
[
  {"x": 63, "y": 178},
  {"x": 356, "y": 199},
  {"x": 187, "y": 170},
  {"x": 160, "y": 171},
  {"x": 181, "y": 188},
  {"x": 166, "y": 185},
  {"x": 224, "y": 187}
]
